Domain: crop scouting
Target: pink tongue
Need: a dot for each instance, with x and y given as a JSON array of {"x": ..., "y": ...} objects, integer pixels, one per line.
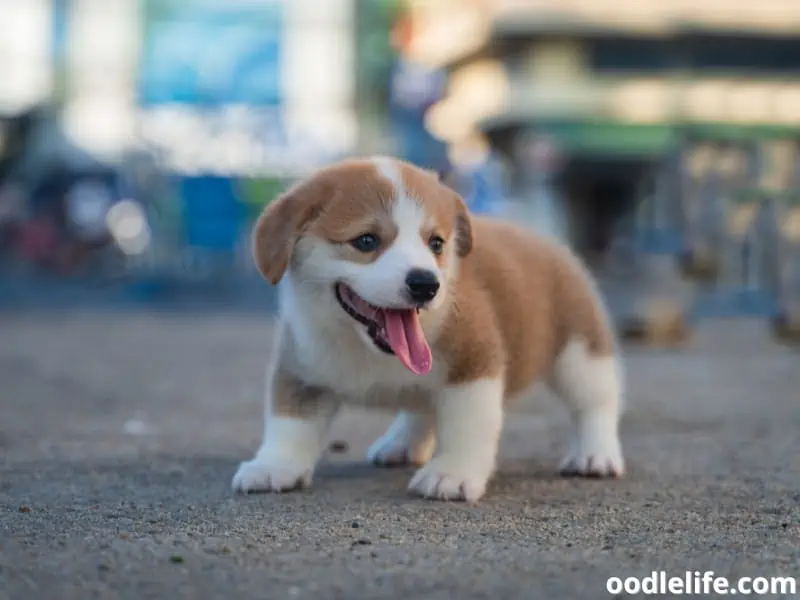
[{"x": 407, "y": 340}]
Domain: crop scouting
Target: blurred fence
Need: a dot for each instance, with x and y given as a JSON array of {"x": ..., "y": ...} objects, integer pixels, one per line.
[{"x": 717, "y": 234}]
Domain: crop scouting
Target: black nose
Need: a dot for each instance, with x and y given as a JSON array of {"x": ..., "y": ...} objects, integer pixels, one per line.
[{"x": 422, "y": 285}]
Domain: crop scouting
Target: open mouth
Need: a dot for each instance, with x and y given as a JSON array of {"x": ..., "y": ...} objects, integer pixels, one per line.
[{"x": 395, "y": 331}]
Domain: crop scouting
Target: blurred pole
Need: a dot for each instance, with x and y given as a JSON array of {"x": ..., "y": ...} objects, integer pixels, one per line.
[
  {"x": 547, "y": 205},
  {"x": 740, "y": 211},
  {"x": 786, "y": 323},
  {"x": 658, "y": 300},
  {"x": 59, "y": 48},
  {"x": 25, "y": 54},
  {"x": 542, "y": 206},
  {"x": 702, "y": 212},
  {"x": 375, "y": 50}
]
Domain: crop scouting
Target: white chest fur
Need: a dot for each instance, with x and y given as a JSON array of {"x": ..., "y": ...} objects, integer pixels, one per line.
[{"x": 328, "y": 349}]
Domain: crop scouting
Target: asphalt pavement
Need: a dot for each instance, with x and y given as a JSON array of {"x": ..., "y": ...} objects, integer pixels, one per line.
[{"x": 120, "y": 432}]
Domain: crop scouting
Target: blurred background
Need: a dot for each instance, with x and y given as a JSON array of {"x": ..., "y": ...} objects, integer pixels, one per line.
[{"x": 140, "y": 138}]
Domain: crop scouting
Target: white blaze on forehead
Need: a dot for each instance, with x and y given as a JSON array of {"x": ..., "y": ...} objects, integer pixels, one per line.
[
  {"x": 409, "y": 217},
  {"x": 408, "y": 250},
  {"x": 389, "y": 169},
  {"x": 383, "y": 282},
  {"x": 407, "y": 211},
  {"x": 409, "y": 247}
]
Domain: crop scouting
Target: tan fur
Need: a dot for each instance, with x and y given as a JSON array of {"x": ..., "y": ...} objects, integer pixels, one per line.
[
  {"x": 347, "y": 200},
  {"x": 510, "y": 308},
  {"x": 281, "y": 224},
  {"x": 518, "y": 300},
  {"x": 445, "y": 206},
  {"x": 338, "y": 204}
]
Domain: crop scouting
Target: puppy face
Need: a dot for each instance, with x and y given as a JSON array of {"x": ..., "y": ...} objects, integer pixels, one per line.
[{"x": 379, "y": 236}]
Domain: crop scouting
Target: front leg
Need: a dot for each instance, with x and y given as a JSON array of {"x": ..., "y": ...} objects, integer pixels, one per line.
[
  {"x": 297, "y": 418},
  {"x": 469, "y": 419},
  {"x": 408, "y": 441}
]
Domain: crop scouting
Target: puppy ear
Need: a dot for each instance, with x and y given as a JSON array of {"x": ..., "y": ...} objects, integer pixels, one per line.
[
  {"x": 463, "y": 227},
  {"x": 280, "y": 226}
]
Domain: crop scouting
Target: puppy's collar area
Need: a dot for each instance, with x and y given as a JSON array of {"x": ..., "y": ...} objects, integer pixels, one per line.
[{"x": 393, "y": 330}]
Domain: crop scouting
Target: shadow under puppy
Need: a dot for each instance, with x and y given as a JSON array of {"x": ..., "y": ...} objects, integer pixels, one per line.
[{"x": 393, "y": 295}]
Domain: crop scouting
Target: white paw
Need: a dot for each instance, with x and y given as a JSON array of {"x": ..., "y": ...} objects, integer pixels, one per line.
[
  {"x": 265, "y": 475},
  {"x": 399, "y": 448},
  {"x": 451, "y": 477},
  {"x": 599, "y": 457}
]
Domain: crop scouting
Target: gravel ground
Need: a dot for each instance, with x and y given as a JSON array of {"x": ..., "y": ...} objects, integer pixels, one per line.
[{"x": 120, "y": 432}]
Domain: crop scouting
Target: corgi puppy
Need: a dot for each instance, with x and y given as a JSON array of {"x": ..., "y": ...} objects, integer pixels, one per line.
[{"x": 393, "y": 295}]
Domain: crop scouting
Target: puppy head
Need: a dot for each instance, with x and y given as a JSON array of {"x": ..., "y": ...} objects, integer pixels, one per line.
[{"x": 380, "y": 236}]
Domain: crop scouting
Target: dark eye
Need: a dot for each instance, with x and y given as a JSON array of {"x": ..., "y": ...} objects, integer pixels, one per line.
[
  {"x": 366, "y": 243},
  {"x": 436, "y": 244}
]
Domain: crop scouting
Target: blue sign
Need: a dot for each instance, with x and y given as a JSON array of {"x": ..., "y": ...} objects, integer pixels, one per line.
[{"x": 211, "y": 53}]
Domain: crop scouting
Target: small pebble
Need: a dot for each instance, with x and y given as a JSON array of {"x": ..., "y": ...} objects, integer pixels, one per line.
[{"x": 338, "y": 446}]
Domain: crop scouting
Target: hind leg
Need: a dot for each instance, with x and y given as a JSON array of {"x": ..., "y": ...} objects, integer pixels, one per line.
[
  {"x": 410, "y": 440},
  {"x": 591, "y": 388}
]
